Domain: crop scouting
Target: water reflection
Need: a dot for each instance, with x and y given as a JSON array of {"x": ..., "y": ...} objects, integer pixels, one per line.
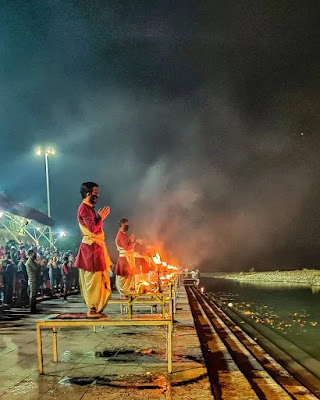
[
  {"x": 280, "y": 285},
  {"x": 292, "y": 310}
]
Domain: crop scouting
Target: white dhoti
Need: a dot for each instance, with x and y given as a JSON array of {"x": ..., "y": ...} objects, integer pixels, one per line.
[
  {"x": 95, "y": 289},
  {"x": 95, "y": 286},
  {"x": 124, "y": 284}
]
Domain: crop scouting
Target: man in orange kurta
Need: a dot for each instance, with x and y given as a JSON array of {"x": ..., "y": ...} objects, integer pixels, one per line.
[
  {"x": 125, "y": 267},
  {"x": 93, "y": 259}
]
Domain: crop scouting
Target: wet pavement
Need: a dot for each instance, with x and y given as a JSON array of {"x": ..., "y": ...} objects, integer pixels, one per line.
[{"x": 114, "y": 363}]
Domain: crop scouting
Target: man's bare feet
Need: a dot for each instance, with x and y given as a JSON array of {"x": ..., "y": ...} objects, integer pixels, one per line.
[{"x": 93, "y": 314}]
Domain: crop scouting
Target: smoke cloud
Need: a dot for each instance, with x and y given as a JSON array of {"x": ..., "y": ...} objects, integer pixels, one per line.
[{"x": 200, "y": 123}]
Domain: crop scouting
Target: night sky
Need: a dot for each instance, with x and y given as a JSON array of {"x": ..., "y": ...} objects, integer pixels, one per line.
[{"x": 198, "y": 119}]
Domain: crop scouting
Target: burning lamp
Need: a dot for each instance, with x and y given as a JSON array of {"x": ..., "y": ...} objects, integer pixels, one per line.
[
  {"x": 63, "y": 234},
  {"x": 202, "y": 290},
  {"x": 157, "y": 259},
  {"x": 1, "y": 214}
]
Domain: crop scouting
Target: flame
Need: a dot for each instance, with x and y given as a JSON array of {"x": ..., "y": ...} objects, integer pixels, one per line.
[{"x": 157, "y": 259}]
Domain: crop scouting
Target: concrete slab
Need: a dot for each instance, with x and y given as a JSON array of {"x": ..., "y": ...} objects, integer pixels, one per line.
[{"x": 116, "y": 362}]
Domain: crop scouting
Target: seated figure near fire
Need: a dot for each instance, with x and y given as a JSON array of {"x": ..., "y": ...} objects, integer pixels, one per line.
[
  {"x": 93, "y": 259},
  {"x": 125, "y": 266}
]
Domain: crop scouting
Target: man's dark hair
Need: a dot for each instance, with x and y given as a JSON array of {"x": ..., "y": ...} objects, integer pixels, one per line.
[
  {"x": 87, "y": 187},
  {"x": 30, "y": 252},
  {"x": 123, "y": 221},
  {"x": 66, "y": 258}
]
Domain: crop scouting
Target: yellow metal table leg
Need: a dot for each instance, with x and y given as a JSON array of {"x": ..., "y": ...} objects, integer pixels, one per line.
[
  {"x": 171, "y": 308},
  {"x": 55, "y": 344},
  {"x": 130, "y": 300},
  {"x": 169, "y": 350},
  {"x": 39, "y": 345},
  {"x": 95, "y": 329}
]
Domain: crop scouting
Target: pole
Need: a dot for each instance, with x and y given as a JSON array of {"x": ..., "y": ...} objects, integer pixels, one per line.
[
  {"x": 48, "y": 196},
  {"x": 48, "y": 187}
]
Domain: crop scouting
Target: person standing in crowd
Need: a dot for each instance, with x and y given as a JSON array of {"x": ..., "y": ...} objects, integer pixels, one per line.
[
  {"x": 8, "y": 270},
  {"x": 23, "y": 253},
  {"x": 53, "y": 272},
  {"x": 93, "y": 259},
  {"x": 45, "y": 277},
  {"x": 59, "y": 264},
  {"x": 33, "y": 271},
  {"x": 125, "y": 266},
  {"x": 74, "y": 280},
  {"x": 14, "y": 255},
  {"x": 22, "y": 283},
  {"x": 66, "y": 276}
]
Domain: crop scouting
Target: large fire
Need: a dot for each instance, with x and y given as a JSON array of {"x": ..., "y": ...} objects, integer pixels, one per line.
[{"x": 161, "y": 275}]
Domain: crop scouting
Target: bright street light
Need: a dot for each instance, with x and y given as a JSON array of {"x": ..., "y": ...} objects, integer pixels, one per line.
[
  {"x": 49, "y": 151},
  {"x": 63, "y": 234},
  {"x": 1, "y": 214}
]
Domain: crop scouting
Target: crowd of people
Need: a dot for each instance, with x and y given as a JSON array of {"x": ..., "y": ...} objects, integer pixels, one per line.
[{"x": 28, "y": 271}]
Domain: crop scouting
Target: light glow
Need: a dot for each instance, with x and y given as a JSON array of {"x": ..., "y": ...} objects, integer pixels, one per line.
[
  {"x": 157, "y": 259},
  {"x": 50, "y": 152}
]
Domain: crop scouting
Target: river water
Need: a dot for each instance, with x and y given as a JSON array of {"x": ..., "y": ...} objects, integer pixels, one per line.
[{"x": 292, "y": 311}]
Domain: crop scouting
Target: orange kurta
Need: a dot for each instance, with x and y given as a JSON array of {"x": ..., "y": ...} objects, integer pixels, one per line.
[{"x": 93, "y": 260}]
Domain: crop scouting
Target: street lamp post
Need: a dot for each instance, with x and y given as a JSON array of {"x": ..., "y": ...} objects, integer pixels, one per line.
[
  {"x": 47, "y": 153},
  {"x": 48, "y": 186}
]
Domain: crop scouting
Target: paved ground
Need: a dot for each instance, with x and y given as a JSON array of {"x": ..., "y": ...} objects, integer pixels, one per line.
[{"x": 114, "y": 363}]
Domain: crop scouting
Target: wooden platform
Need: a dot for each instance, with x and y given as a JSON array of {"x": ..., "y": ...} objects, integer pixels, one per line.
[{"x": 53, "y": 322}]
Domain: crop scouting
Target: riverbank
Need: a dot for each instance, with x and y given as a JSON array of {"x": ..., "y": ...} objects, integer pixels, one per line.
[{"x": 306, "y": 277}]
